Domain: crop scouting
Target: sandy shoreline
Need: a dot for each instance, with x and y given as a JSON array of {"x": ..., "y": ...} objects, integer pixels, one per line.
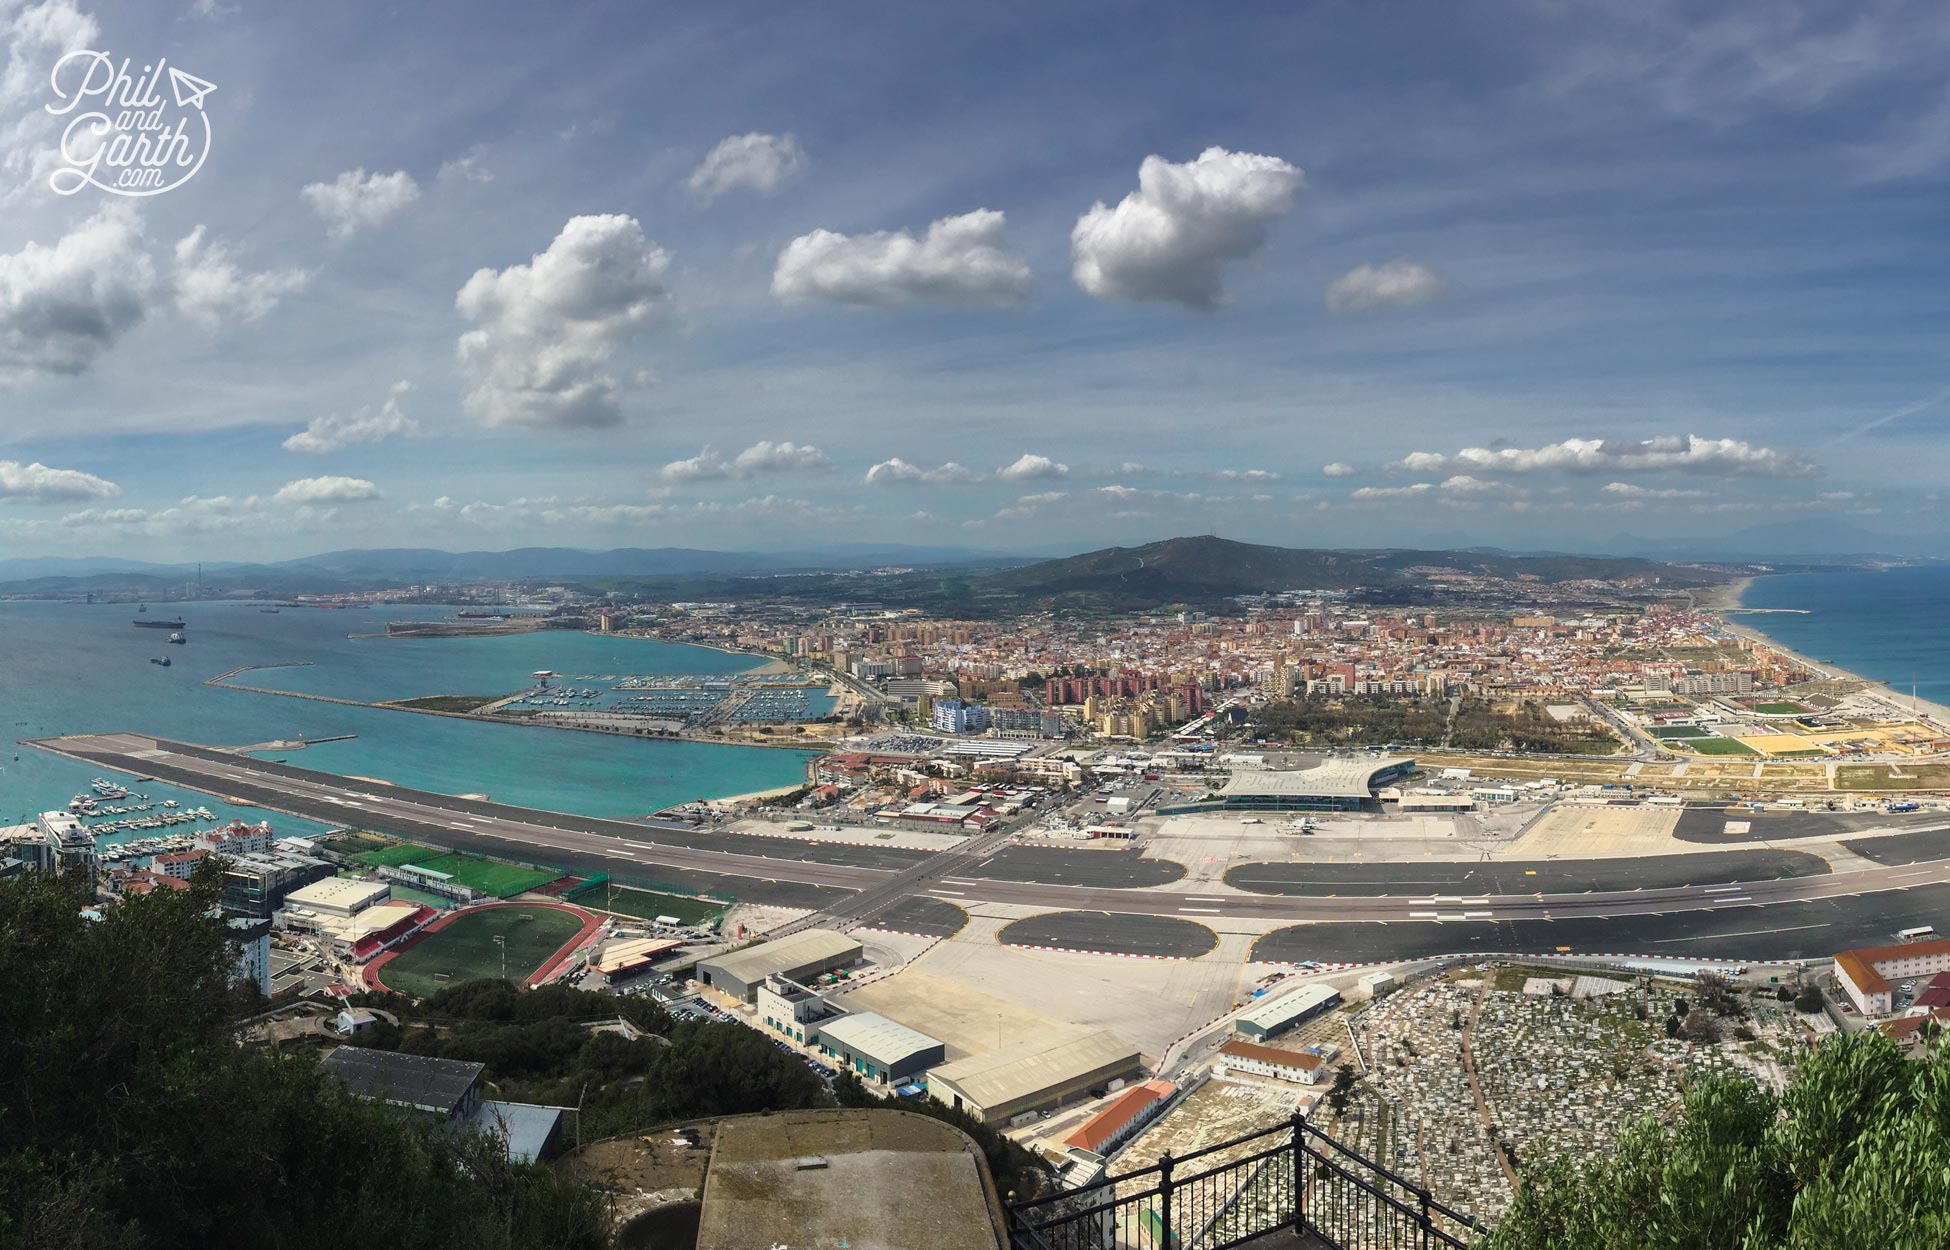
[
  {"x": 731, "y": 800},
  {"x": 772, "y": 667},
  {"x": 1937, "y": 713}
]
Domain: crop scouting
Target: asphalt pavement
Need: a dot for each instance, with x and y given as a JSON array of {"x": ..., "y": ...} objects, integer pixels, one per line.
[
  {"x": 1110, "y": 933},
  {"x": 1460, "y": 908},
  {"x": 1794, "y": 930},
  {"x": 1526, "y": 876}
]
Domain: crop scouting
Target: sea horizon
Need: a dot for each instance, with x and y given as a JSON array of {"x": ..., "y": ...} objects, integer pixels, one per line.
[{"x": 1874, "y": 624}]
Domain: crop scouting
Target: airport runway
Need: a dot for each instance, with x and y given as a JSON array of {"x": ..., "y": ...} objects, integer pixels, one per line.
[{"x": 1420, "y": 919}]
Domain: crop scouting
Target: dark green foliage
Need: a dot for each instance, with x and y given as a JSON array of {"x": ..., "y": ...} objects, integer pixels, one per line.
[
  {"x": 130, "y": 1116},
  {"x": 538, "y": 1048},
  {"x": 1370, "y": 720},
  {"x": 1856, "y": 1153}
]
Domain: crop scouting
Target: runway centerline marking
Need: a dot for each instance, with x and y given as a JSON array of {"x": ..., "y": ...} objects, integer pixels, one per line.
[{"x": 1743, "y": 933}]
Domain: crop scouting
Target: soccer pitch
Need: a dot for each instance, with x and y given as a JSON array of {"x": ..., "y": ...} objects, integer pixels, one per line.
[
  {"x": 465, "y": 950},
  {"x": 498, "y": 880},
  {"x": 1718, "y": 746},
  {"x": 390, "y": 856},
  {"x": 485, "y": 875},
  {"x": 646, "y": 905}
]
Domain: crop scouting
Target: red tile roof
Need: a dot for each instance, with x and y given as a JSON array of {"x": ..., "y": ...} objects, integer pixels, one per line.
[
  {"x": 1271, "y": 1054},
  {"x": 1100, "y": 1129}
]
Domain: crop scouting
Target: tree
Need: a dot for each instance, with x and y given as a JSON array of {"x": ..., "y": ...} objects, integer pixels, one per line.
[
  {"x": 130, "y": 1115},
  {"x": 1808, "y": 1001},
  {"x": 1344, "y": 1083},
  {"x": 1853, "y": 1154},
  {"x": 1701, "y": 1026}
]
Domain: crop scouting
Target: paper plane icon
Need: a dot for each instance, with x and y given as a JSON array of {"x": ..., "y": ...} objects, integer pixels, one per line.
[{"x": 189, "y": 89}]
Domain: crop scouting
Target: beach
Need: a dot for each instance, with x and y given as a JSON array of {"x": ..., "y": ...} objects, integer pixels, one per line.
[{"x": 1937, "y": 714}]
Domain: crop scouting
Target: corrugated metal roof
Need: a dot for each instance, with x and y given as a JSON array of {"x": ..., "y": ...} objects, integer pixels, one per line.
[
  {"x": 1271, "y": 1015},
  {"x": 809, "y": 946},
  {"x": 872, "y": 1034},
  {"x": 1019, "y": 1072},
  {"x": 419, "y": 1081},
  {"x": 523, "y": 1127}
]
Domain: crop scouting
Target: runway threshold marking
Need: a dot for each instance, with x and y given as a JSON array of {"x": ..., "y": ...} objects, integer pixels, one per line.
[
  {"x": 1722, "y": 889},
  {"x": 1199, "y": 911}
]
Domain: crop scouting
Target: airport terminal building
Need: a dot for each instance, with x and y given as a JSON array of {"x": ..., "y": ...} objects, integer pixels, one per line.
[{"x": 1332, "y": 785}]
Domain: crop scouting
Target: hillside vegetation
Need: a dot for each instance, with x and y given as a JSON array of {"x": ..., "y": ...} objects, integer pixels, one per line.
[{"x": 1856, "y": 1153}]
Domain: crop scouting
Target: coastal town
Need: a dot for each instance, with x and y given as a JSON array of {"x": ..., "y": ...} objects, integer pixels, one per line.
[{"x": 1342, "y": 841}]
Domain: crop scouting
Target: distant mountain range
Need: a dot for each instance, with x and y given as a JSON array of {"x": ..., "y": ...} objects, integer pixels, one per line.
[
  {"x": 403, "y": 566},
  {"x": 1202, "y": 571},
  {"x": 1206, "y": 568}
]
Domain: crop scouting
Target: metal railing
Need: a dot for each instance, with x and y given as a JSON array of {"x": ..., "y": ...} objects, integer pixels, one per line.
[{"x": 1293, "y": 1179}]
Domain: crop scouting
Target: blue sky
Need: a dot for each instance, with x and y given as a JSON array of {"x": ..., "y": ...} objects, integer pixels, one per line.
[{"x": 1021, "y": 277}]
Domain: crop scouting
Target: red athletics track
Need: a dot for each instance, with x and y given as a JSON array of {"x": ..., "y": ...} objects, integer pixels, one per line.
[{"x": 590, "y": 923}]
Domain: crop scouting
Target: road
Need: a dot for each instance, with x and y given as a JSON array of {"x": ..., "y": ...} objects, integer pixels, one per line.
[{"x": 857, "y": 892}]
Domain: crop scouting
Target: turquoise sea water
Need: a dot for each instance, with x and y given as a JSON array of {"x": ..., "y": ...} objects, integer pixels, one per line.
[
  {"x": 69, "y": 668},
  {"x": 1888, "y": 626}
]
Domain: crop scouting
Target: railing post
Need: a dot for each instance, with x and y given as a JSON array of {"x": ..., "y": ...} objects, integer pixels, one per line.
[
  {"x": 1164, "y": 1202},
  {"x": 1428, "y": 1220},
  {"x": 1299, "y": 1168}
]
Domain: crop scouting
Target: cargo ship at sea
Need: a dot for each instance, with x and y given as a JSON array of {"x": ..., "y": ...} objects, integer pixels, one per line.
[{"x": 158, "y": 622}]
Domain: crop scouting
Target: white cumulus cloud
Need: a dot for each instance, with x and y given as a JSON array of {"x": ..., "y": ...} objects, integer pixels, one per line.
[
  {"x": 1030, "y": 467},
  {"x": 1399, "y": 283},
  {"x": 1392, "y": 492},
  {"x": 764, "y": 456},
  {"x": 961, "y": 260},
  {"x": 211, "y": 288},
  {"x": 363, "y": 425},
  {"x": 1172, "y": 237},
  {"x": 62, "y": 306},
  {"x": 37, "y": 483},
  {"x": 545, "y": 330},
  {"x": 756, "y": 162},
  {"x": 1464, "y": 484},
  {"x": 1340, "y": 468},
  {"x": 357, "y": 200},
  {"x": 1632, "y": 490},
  {"x": 1666, "y": 453},
  {"x": 898, "y": 472},
  {"x": 310, "y": 491}
]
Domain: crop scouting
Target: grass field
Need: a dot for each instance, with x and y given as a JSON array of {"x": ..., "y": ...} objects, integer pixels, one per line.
[
  {"x": 1719, "y": 746},
  {"x": 466, "y": 950},
  {"x": 499, "y": 880},
  {"x": 645, "y": 905},
  {"x": 355, "y": 841},
  {"x": 1679, "y": 731},
  {"x": 399, "y": 853},
  {"x": 448, "y": 702},
  {"x": 1879, "y": 777}
]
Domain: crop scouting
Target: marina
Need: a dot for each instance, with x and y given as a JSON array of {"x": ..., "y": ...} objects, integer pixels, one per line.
[
  {"x": 690, "y": 701},
  {"x": 71, "y": 668}
]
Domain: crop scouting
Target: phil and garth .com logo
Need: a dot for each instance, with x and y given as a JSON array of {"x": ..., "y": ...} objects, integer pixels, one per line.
[{"x": 132, "y": 140}]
